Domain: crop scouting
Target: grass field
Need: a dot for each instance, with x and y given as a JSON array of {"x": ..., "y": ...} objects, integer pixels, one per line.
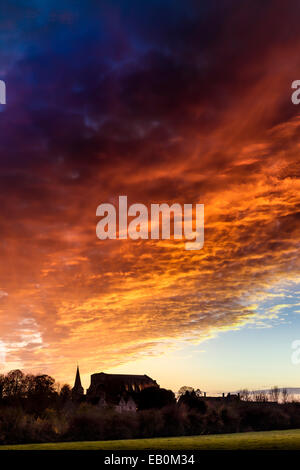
[{"x": 270, "y": 440}]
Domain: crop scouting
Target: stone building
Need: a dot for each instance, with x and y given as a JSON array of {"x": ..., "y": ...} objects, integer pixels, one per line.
[
  {"x": 113, "y": 390},
  {"x": 112, "y": 384}
]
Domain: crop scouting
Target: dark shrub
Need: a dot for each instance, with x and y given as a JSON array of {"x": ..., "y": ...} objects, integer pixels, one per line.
[
  {"x": 264, "y": 417},
  {"x": 192, "y": 401},
  {"x": 153, "y": 397}
]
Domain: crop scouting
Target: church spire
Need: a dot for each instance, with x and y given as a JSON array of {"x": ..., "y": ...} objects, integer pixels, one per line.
[
  {"x": 77, "y": 390},
  {"x": 77, "y": 379}
]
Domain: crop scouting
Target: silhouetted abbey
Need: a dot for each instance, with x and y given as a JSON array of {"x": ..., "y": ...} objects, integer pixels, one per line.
[{"x": 115, "y": 390}]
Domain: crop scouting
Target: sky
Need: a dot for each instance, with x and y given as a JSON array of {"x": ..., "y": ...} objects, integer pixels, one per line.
[{"x": 162, "y": 101}]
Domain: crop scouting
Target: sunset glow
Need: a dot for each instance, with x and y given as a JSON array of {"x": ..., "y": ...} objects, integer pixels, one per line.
[{"x": 189, "y": 107}]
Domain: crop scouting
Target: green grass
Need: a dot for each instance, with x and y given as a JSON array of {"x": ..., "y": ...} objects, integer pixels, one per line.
[{"x": 270, "y": 440}]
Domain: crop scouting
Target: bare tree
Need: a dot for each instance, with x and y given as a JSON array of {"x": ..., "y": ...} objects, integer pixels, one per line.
[
  {"x": 183, "y": 390},
  {"x": 285, "y": 395},
  {"x": 15, "y": 385},
  {"x": 274, "y": 393},
  {"x": 245, "y": 395}
]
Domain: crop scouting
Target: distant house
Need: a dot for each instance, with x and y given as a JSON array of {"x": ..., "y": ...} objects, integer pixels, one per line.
[
  {"x": 228, "y": 397},
  {"x": 129, "y": 405}
]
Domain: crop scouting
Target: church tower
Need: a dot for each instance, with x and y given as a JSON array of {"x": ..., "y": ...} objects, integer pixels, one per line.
[{"x": 77, "y": 390}]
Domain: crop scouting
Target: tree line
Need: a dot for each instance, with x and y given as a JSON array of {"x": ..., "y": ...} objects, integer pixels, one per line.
[{"x": 34, "y": 408}]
